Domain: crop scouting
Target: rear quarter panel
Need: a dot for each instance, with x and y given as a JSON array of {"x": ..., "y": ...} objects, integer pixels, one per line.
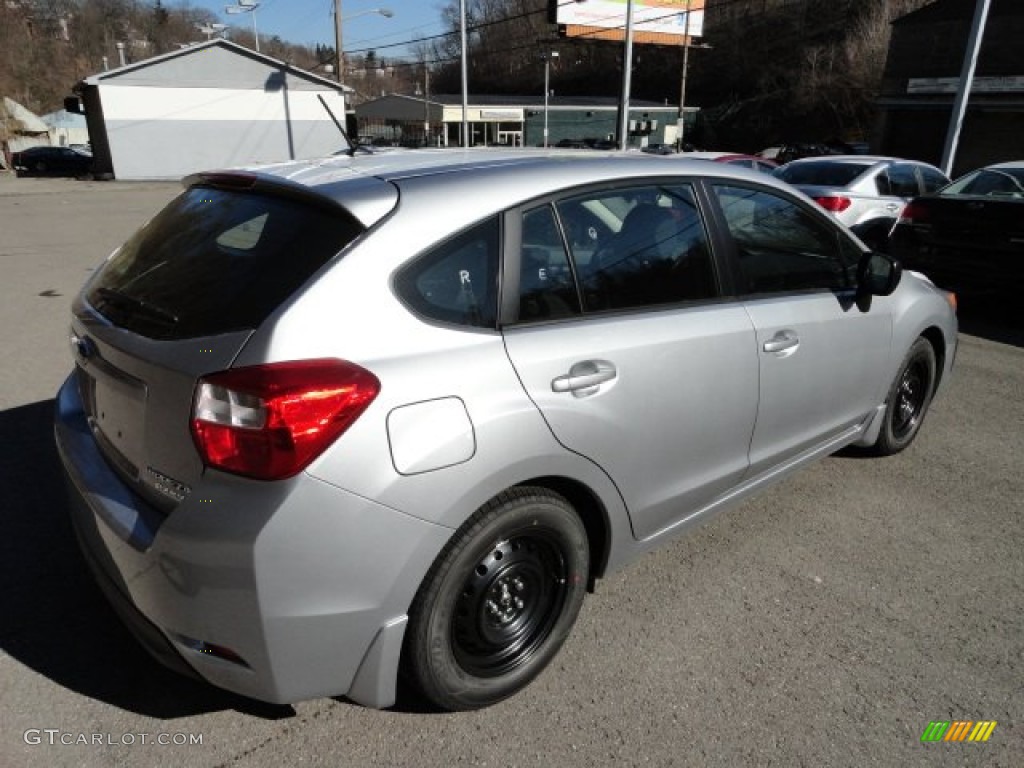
[{"x": 352, "y": 312}]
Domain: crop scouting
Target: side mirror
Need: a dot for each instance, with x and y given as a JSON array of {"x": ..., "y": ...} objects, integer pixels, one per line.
[{"x": 877, "y": 275}]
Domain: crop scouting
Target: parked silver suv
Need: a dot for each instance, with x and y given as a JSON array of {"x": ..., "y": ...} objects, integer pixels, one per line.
[
  {"x": 330, "y": 419},
  {"x": 865, "y": 193}
]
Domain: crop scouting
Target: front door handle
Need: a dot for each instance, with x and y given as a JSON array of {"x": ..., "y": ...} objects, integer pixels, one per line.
[
  {"x": 782, "y": 341},
  {"x": 584, "y": 378}
]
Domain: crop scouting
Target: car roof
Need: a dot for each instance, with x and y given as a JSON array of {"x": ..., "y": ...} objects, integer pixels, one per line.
[
  {"x": 857, "y": 159},
  {"x": 367, "y": 185},
  {"x": 1011, "y": 164},
  {"x": 722, "y": 156}
]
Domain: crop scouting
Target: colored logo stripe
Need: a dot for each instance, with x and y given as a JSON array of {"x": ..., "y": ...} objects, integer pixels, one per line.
[
  {"x": 958, "y": 730},
  {"x": 982, "y": 730}
]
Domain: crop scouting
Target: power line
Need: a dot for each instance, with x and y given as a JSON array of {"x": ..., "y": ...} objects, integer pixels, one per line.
[
  {"x": 763, "y": 16},
  {"x": 525, "y": 14}
]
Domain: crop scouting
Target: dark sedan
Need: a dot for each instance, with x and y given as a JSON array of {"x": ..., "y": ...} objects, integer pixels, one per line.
[
  {"x": 968, "y": 236},
  {"x": 52, "y": 161}
]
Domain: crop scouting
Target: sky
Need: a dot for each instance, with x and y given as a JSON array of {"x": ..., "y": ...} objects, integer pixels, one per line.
[{"x": 307, "y": 22}]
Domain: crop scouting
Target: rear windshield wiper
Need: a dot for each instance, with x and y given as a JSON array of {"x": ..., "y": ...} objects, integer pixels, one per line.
[{"x": 131, "y": 302}]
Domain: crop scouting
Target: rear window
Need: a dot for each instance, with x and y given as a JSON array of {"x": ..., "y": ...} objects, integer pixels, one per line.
[
  {"x": 215, "y": 261},
  {"x": 1007, "y": 182},
  {"x": 821, "y": 174}
]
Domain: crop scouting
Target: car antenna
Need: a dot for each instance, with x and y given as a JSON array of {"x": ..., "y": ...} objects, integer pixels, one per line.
[{"x": 351, "y": 150}]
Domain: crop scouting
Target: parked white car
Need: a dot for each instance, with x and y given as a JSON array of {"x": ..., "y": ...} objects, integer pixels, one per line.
[
  {"x": 866, "y": 193},
  {"x": 333, "y": 418}
]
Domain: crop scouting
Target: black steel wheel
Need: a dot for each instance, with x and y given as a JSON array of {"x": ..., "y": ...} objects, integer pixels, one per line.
[
  {"x": 909, "y": 398},
  {"x": 499, "y": 601}
]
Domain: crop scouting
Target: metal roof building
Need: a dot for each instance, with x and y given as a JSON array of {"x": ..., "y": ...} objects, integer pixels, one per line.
[
  {"x": 210, "y": 105},
  {"x": 922, "y": 72},
  {"x": 512, "y": 120}
]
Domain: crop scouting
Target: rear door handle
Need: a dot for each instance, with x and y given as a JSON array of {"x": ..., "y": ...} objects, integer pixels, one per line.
[
  {"x": 893, "y": 207},
  {"x": 584, "y": 378},
  {"x": 782, "y": 341}
]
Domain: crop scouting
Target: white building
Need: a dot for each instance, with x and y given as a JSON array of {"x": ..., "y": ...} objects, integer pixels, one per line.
[
  {"x": 211, "y": 105},
  {"x": 66, "y": 128}
]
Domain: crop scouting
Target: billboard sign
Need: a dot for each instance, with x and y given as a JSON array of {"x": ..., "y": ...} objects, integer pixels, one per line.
[{"x": 662, "y": 22}]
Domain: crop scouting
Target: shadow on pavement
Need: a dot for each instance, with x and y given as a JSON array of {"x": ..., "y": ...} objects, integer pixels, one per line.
[
  {"x": 992, "y": 314},
  {"x": 993, "y": 318},
  {"x": 55, "y": 619}
]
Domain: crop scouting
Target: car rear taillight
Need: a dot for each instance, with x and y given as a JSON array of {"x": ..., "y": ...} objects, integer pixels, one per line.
[
  {"x": 270, "y": 421},
  {"x": 914, "y": 213},
  {"x": 833, "y": 204}
]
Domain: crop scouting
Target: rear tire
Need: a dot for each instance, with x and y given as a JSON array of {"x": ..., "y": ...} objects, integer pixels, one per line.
[
  {"x": 499, "y": 601},
  {"x": 909, "y": 397}
]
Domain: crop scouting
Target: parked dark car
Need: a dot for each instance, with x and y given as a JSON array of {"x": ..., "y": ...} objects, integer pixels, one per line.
[
  {"x": 52, "y": 161},
  {"x": 660, "y": 149},
  {"x": 970, "y": 234},
  {"x": 799, "y": 150}
]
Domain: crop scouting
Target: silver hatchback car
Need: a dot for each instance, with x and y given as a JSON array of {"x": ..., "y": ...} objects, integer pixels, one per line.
[
  {"x": 333, "y": 420},
  {"x": 865, "y": 193}
]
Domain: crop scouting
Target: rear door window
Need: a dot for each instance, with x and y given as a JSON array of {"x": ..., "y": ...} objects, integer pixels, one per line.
[
  {"x": 547, "y": 290},
  {"x": 216, "y": 261},
  {"x": 651, "y": 248}
]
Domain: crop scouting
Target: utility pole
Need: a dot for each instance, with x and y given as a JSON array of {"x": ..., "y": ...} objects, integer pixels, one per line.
[
  {"x": 426, "y": 105},
  {"x": 681, "y": 132},
  {"x": 627, "y": 74},
  {"x": 963, "y": 90},
  {"x": 547, "y": 89},
  {"x": 339, "y": 62},
  {"x": 465, "y": 73}
]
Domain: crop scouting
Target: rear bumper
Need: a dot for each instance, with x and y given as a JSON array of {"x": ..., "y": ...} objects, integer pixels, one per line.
[{"x": 277, "y": 591}]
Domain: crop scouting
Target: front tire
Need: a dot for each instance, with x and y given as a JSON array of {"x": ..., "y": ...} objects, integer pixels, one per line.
[
  {"x": 909, "y": 397},
  {"x": 500, "y": 600}
]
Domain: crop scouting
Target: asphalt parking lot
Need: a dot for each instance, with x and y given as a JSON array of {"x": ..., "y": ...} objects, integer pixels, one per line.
[{"x": 825, "y": 623}]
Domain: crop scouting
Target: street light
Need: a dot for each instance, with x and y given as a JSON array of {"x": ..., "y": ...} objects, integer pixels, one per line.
[
  {"x": 387, "y": 13},
  {"x": 211, "y": 29},
  {"x": 246, "y": 6},
  {"x": 547, "y": 57}
]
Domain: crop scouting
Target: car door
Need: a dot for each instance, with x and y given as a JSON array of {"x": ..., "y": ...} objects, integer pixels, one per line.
[
  {"x": 622, "y": 341},
  {"x": 822, "y": 360}
]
